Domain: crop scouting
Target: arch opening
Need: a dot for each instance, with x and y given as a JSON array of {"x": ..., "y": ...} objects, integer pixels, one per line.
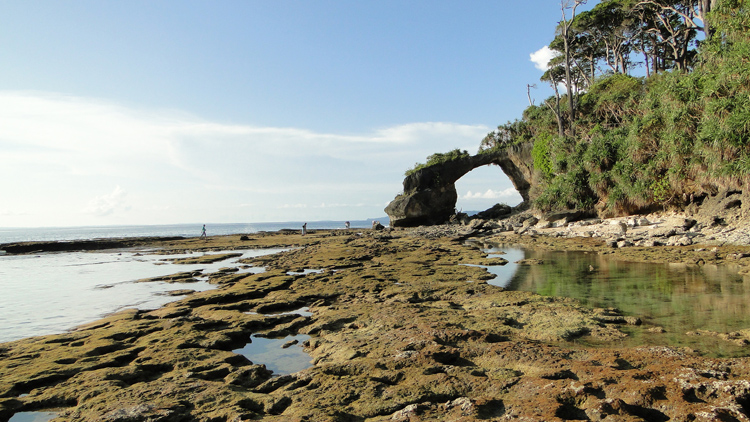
[{"x": 483, "y": 187}]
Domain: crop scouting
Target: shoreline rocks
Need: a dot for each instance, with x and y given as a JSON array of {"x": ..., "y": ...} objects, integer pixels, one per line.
[{"x": 399, "y": 330}]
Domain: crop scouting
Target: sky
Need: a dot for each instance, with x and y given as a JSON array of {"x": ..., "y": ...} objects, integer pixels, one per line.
[{"x": 233, "y": 111}]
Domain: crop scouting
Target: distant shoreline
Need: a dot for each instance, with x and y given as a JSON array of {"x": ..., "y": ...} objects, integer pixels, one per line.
[
  {"x": 85, "y": 233},
  {"x": 81, "y": 245}
]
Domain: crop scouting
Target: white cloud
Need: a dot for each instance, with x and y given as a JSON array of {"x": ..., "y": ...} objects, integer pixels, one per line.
[
  {"x": 6, "y": 213},
  {"x": 338, "y": 205},
  {"x": 107, "y": 204},
  {"x": 178, "y": 167},
  {"x": 491, "y": 194},
  {"x": 541, "y": 57}
]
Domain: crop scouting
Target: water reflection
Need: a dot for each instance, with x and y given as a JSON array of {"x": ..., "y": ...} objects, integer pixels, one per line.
[
  {"x": 680, "y": 298},
  {"x": 306, "y": 271},
  {"x": 505, "y": 274},
  {"x": 282, "y": 356},
  {"x": 33, "y": 417},
  {"x": 51, "y": 292}
]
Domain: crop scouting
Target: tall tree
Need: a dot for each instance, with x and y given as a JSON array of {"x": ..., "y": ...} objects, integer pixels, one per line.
[
  {"x": 554, "y": 76},
  {"x": 613, "y": 25},
  {"x": 673, "y": 26},
  {"x": 566, "y": 33}
]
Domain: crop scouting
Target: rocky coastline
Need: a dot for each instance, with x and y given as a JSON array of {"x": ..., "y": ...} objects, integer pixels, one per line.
[
  {"x": 81, "y": 245},
  {"x": 400, "y": 330}
]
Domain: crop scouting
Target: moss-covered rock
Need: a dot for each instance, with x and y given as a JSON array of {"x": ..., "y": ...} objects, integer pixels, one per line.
[{"x": 399, "y": 331}]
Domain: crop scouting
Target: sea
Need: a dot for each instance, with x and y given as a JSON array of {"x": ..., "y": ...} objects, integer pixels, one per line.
[
  {"x": 50, "y": 293},
  {"x": 11, "y": 235}
]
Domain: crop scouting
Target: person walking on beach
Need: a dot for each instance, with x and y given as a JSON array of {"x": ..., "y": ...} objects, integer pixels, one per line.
[
  {"x": 304, "y": 229},
  {"x": 347, "y": 225},
  {"x": 203, "y": 234}
]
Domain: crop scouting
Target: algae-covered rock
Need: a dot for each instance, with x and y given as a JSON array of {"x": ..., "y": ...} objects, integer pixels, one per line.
[{"x": 399, "y": 330}]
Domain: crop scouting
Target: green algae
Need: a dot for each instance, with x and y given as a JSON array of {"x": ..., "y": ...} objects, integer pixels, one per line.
[{"x": 395, "y": 326}]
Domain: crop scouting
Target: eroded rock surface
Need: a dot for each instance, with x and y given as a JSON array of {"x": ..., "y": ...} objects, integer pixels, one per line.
[{"x": 400, "y": 331}]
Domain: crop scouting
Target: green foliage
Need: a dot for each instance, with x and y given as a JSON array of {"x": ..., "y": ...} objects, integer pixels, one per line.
[
  {"x": 541, "y": 155},
  {"x": 725, "y": 79},
  {"x": 510, "y": 133},
  {"x": 610, "y": 100},
  {"x": 643, "y": 142},
  {"x": 439, "y": 158},
  {"x": 660, "y": 190}
]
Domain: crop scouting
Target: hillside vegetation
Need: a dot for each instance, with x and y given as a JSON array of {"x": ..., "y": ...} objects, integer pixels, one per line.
[{"x": 620, "y": 144}]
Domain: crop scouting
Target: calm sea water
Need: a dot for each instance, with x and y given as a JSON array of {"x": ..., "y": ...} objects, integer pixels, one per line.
[
  {"x": 8, "y": 235},
  {"x": 52, "y": 292}
]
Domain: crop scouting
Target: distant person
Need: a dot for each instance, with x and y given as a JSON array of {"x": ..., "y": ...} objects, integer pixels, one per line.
[
  {"x": 304, "y": 229},
  {"x": 347, "y": 225},
  {"x": 203, "y": 233}
]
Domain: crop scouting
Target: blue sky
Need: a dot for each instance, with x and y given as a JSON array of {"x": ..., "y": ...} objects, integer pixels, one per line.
[{"x": 159, "y": 112}]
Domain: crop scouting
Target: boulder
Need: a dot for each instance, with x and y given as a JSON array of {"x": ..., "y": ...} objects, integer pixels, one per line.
[
  {"x": 423, "y": 207},
  {"x": 497, "y": 211},
  {"x": 567, "y": 216},
  {"x": 531, "y": 221}
]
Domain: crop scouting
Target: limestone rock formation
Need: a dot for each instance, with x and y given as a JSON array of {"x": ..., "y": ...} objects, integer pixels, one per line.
[{"x": 430, "y": 196}]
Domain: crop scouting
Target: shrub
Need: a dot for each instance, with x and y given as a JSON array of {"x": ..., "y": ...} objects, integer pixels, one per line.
[
  {"x": 541, "y": 155},
  {"x": 439, "y": 158}
]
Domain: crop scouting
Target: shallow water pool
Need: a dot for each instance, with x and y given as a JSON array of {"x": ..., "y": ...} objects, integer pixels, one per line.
[
  {"x": 33, "y": 417},
  {"x": 282, "y": 356},
  {"x": 52, "y": 292},
  {"x": 677, "y": 297}
]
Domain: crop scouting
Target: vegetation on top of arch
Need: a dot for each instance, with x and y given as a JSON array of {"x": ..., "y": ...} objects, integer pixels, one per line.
[{"x": 439, "y": 158}]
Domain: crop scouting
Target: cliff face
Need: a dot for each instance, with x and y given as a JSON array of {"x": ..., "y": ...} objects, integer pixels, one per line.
[{"x": 430, "y": 193}]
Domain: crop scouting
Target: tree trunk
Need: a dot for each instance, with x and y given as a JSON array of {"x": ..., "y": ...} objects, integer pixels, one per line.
[
  {"x": 566, "y": 44},
  {"x": 704, "y": 8},
  {"x": 556, "y": 109}
]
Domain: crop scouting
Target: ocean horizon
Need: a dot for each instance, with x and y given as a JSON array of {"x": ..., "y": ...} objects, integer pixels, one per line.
[{"x": 37, "y": 234}]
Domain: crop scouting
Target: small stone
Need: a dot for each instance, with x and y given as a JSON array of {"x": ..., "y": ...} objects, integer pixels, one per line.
[{"x": 289, "y": 344}]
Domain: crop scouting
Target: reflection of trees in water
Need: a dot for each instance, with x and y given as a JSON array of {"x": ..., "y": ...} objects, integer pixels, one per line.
[{"x": 676, "y": 296}]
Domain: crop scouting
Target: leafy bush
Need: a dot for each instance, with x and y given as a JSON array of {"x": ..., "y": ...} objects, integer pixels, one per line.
[
  {"x": 541, "y": 155},
  {"x": 439, "y": 158},
  {"x": 510, "y": 133}
]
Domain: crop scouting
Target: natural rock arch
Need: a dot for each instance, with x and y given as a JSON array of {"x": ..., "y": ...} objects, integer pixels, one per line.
[{"x": 430, "y": 193}]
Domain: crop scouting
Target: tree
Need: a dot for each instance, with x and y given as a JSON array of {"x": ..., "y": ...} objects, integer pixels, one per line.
[
  {"x": 528, "y": 93},
  {"x": 585, "y": 52},
  {"x": 611, "y": 26},
  {"x": 672, "y": 26},
  {"x": 565, "y": 32},
  {"x": 554, "y": 76}
]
